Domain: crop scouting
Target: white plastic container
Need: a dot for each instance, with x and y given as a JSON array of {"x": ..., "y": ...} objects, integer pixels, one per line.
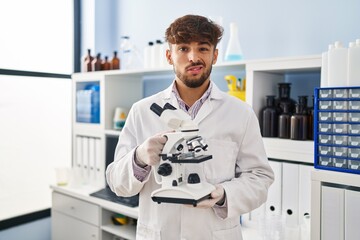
[
  {"x": 324, "y": 69},
  {"x": 162, "y": 55},
  {"x": 147, "y": 55},
  {"x": 155, "y": 55},
  {"x": 337, "y": 66},
  {"x": 233, "y": 49},
  {"x": 354, "y": 64}
]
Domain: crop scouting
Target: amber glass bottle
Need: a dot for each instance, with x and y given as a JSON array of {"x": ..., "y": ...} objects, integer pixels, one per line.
[
  {"x": 284, "y": 122},
  {"x": 115, "y": 62},
  {"x": 269, "y": 118},
  {"x": 96, "y": 63},
  {"x": 299, "y": 124},
  {"x": 105, "y": 65},
  {"x": 284, "y": 98},
  {"x": 311, "y": 121},
  {"x": 87, "y": 60}
]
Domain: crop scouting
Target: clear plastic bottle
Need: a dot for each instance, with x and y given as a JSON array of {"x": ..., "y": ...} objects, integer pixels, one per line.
[
  {"x": 324, "y": 82},
  {"x": 147, "y": 55},
  {"x": 233, "y": 49},
  {"x": 126, "y": 52},
  {"x": 354, "y": 64},
  {"x": 337, "y": 66},
  {"x": 156, "y": 54}
]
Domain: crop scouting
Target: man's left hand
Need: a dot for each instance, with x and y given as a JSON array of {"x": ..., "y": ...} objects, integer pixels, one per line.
[{"x": 217, "y": 197}]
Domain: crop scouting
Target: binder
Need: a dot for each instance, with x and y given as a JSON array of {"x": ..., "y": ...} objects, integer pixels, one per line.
[
  {"x": 332, "y": 213},
  {"x": 304, "y": 191},
  {"x": 92, "y": 169},
  {"x": 273, "y": 203},
  {"x": 78, "y": 163},
  {"x": 85, "y": 144},
  {"x": 290, "y": 196},
  {"x": 352, "y": 215},
  {"x": 99, "y": 164}
]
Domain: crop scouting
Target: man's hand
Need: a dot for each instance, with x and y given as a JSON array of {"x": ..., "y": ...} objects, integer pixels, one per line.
[
  {"x": 148, "y": 152},
  {"x": 217, "y": 197}
]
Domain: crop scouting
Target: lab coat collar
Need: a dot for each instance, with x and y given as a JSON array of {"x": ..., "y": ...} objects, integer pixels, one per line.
[
  {"x": 206, "y": 108},
  {"x": 215, "y": 93}
]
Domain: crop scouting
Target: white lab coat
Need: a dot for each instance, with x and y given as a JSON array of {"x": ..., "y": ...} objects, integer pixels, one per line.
[{"x": 231, "y": 130}]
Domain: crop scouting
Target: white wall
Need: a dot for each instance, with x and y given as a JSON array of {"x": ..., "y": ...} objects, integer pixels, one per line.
[{"x": 278, "y": 28}]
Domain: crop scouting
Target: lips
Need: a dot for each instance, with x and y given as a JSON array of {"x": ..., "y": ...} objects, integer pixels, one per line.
[{"x": 194, "y": 69}]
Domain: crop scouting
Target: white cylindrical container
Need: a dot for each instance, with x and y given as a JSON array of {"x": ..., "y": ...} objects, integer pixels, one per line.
[
  {"x": 233, "y": 49},
  {"x": 354, "y": 64},
  {"x": 162, "y": 55},
  {"x": 155, "y": 55},
  {"x": 147, "y": 55},
  {"x": 324, "y": 82},
  {"x": 337, "y": 66}
]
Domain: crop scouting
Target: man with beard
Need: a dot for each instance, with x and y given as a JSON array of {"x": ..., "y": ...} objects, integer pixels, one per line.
[{"x": 239, "y": 168}]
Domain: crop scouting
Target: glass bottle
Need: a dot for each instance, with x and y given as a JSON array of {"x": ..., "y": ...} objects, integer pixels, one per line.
[
  {"x": 299, "y": 124},
  {"x": 115, "y": 62},
  {"x": 233, "y": 49},
  {"x": 311, "y": 121},
  {"x": 86, "y": 63},
  {"x": 96, "y": 63},
  {"x": 269, "y": 118},
  {"x": 105, "y": 64},
  {"x": 284, "y": 123},
  {"x": 284, "y": 98}
]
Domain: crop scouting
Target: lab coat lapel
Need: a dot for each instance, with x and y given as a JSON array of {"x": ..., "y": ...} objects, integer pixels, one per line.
[
  {"x": 205, "y": 110},
  {"x": 209, "y": 104}
]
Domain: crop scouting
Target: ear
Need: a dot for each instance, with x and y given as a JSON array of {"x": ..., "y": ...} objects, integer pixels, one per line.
[
  {"x": 216, "y": 53},
  {"x": 168, "y": 56}
]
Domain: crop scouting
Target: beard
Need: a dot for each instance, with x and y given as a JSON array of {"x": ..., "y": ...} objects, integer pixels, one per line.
[{"x": 194, "y": 81}]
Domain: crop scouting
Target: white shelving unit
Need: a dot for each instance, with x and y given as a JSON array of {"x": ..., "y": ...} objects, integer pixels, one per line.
[
  {"x": 120, "y": 88},
  {"x": 341, "y": 220}
]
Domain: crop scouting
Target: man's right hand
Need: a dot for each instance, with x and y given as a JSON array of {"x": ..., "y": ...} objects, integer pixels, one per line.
[{"x": 148, "y": 152}]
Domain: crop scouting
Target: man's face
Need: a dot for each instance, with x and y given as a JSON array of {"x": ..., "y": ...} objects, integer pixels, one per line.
[{"x": 192, "y": 62}]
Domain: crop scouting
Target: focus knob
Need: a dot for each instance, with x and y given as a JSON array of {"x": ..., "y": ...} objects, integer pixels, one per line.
[
  {"x": 193, "y": 178},
  {"x": 164, "y": 169}
]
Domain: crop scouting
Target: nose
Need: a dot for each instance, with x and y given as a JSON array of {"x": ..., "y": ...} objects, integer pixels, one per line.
[{"x": 193, "y": 56}]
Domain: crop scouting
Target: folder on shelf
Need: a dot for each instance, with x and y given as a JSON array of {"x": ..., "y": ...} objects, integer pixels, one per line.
[
  {"x": 290, "y": 196},
  {"x": 85, "y": 142},
  {"x": 332, "y": 213},
  {"x": 273, "y": 203},
  {"x": 304, "y": 191},
  {"x": 99, "y": 164},
  {"x": 78, "y": 163},
  {"x": 92, "y": 169}
]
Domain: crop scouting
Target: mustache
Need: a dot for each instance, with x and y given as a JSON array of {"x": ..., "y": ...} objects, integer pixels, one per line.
[{"x": 195, "y": 64}]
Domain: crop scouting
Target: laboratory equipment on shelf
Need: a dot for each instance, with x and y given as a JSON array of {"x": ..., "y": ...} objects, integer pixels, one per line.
[
  {"x": 236, "y": 86},
  {"x": 183, "y": 146},
  {"x": 233, "y": 48}
]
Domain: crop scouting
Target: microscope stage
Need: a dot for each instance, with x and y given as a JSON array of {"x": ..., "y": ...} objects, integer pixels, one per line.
[{"x": 184, "y": 194}]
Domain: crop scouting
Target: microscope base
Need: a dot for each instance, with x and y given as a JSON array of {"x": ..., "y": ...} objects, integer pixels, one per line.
[{"x": 183, "y": 194}]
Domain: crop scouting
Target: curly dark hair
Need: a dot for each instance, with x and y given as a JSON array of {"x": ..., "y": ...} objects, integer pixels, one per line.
[{"x": 193, "y": 28}]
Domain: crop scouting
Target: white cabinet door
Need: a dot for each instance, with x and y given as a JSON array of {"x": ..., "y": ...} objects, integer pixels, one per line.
[
  {"x": 69, "y": 228},
  {"x": 332, "y": 213},
  {"x": 352, "y": 215}
]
